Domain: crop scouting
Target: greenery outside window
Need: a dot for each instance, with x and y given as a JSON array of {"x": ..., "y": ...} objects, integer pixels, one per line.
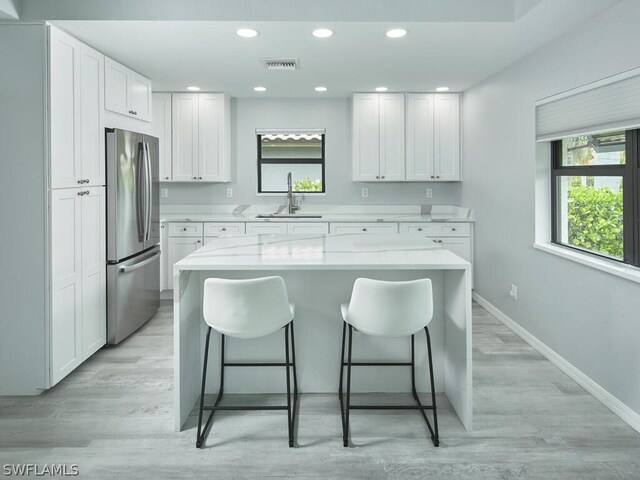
[
  {"x": 301, "y": 153},
  {"x": 595, "y": 194}
]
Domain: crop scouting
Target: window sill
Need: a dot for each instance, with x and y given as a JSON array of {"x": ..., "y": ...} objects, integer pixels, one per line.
[{"x": 627, "y": 272}]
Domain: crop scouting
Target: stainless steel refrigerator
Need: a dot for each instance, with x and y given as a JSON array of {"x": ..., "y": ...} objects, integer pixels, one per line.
[{"x": 133, "y": 232}]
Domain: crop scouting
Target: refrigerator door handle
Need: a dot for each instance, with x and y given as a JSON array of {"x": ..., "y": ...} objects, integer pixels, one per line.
[
  {"x": 149, "y": 191},
  {"x": 140, "y": 189},
  {"x": 131, "y": 268}
]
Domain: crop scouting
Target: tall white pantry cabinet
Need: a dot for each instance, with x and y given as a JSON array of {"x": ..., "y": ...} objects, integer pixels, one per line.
[{"x": 53, "y": 295}]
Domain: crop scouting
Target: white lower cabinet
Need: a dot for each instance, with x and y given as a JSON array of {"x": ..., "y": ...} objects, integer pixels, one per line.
[
  {"x": 180, "y": 247},
  {"x": 211, "y": 229},
  {"x": 78, "y": 283},
  {"x": 368, "y": 227},
  {"x": 459, "y": 245},
  {"x": 266, "y": 228}
]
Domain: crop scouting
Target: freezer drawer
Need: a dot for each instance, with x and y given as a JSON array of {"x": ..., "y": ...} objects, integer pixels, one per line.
[{"x": 133, "y": 294}]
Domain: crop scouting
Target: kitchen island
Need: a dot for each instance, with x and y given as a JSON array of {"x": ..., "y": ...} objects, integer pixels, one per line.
[{"x": 319, "y": 271}]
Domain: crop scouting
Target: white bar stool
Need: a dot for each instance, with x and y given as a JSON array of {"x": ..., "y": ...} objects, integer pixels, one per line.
[
  {"x": 388, "y": 309},
  {"x": 247, "y": 309}
]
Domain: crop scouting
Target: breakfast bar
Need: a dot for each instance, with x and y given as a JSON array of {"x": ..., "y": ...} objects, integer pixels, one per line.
[{"x": 319, "y": 271}]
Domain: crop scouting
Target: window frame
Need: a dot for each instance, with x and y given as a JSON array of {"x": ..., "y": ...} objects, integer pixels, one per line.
[
  {"x": 290, "y": 161},
  {"x": 630, "y": 174}
]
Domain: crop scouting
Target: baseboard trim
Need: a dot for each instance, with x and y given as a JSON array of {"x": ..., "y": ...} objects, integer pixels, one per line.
[{"x": 607, "y": 399}]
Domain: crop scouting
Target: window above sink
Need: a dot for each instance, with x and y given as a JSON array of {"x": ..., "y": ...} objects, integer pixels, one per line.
[{"x": 301, "y": 152}]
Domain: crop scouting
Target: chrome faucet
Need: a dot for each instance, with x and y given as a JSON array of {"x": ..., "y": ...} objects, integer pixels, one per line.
[{"x": 291, "y": 199}]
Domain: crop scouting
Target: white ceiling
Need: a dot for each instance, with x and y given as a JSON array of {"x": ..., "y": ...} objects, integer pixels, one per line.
[{"x": 358, "y": 57}]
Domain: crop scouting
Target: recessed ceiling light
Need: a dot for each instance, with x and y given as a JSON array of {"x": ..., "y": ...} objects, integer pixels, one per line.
[
  {"x": 381, "y": 89},
  {"x": 442, "y": 89},
  {"x": 193, "y": 88},
  {"x": 321, "y": 89},
  {"x": 260, "y": 89},
  {"x": 322, "y": 33},
  {"x": 396, "y": 33},
  {"x": 247, "y": 32}
]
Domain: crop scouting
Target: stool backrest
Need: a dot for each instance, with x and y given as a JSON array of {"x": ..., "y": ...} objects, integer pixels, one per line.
[
  {"x": 390, "y": 309},
  {"x": 246, "y": 308}
]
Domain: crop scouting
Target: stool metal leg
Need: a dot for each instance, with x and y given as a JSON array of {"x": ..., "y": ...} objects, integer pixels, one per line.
[
  {"x": 289, "y": 412},
  {"x": 202, "y": 432},
  {"x": 340, "y": 395},
  {"x": 345, "y": 440},
  {"x": 434, "y": 435}
]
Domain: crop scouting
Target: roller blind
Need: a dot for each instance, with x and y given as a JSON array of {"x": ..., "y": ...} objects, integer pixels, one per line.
[{"x": 610, "y": 104}]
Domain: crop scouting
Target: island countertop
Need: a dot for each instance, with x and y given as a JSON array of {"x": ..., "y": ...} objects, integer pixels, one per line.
[{"x": 318, "y": 251}]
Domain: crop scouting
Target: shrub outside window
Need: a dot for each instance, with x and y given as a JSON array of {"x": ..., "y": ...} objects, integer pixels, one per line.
[{"x": 595, "y": 194}]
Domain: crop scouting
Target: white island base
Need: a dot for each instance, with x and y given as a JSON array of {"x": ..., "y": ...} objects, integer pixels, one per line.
[{"x": 319, "y": 271}]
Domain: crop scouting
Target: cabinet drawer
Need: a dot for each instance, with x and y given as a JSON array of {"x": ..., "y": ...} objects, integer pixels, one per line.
[
  {"x": 371, "y": 227},
  {"x": 458, "y": 246},
  {"x": 308, "y": 227},
  {"x": 221, "y": 228},
  {"x": 185, "y": 229},
  {"x": 437, "y": 229},
  {"x": 265, "y": 227}
]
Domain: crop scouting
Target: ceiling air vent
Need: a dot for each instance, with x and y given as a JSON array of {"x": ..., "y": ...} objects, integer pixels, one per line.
[{"x": 281, "y": 63}]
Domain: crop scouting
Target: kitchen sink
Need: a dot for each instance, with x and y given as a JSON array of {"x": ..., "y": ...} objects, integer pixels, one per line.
[{"x": 286, "y": 215}]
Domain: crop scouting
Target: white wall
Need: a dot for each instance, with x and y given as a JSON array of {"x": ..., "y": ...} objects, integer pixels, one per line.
[
  {"x": 590, "y": 318},
  {"x": 10, "y": 9},
  {"x": 334, "y": 114}
]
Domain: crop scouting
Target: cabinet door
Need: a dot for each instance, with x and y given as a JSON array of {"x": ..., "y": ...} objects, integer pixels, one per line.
[
  {"x": 66, "y": 283},
  {"x": 308, "y": 227},
  {"x": 116, "y": 87},
  {"x": 64, "y": 109},
  {"x": 94, "y": 271},
  {"x": 180, "y": 247},
  {"x": 140, "y": 97},
  {"x": 459, "y": 246},
  {"x": 213, "y": 159},
  {"x": 266, "y": 228},
  {"x": 161, "y": 128},
  {"x": 345, "y": 228},
  {"x": 366, "y": 137},
  {"x": 420, "y": 137},
  {"x": 447, "y": 137},
  {"x": 92, "y": 163},
  {"x": 392, "y": 137},
  {"x": 184, "y": 127}
]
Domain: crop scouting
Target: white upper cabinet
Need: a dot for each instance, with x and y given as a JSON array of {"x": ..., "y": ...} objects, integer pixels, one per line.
[
  {"x": 126, "y": 92},
  {"x": 446, "y": 135},
  {"x": 76, "y": 105},
  {"x": 392, "y": 137},
  {"x": 378, "y": 137},
  {"x": 161, "y": 128},
  {"x": 433, "y": 137},
  {"x": 420, "y": 165},
  {"x": 201, "y": 137}
]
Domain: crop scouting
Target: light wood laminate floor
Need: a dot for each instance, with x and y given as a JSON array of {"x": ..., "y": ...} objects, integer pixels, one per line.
[{"x": 113, "y": 418}]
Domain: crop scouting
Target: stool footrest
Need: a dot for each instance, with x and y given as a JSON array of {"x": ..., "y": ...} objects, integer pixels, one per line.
[
  {"x": 378, "y": 364},
  {"x": 263, "y": 364},
  {"x": 390, "y": 407},
  {"x": 237, "y": 407}
]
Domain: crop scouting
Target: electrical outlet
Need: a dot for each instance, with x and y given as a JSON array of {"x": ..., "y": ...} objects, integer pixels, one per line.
[
  {"x": 164, "y": 192},
  {"x": 429, "y": 192},
  {"x": 229, "y": 192},
  {"x": 365, "y": 193},
  {"x": 514, "y": 292}
]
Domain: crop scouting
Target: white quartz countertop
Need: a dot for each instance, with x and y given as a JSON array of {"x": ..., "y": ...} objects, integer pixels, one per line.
[
  {"x": 326, "y": 213},
  {"x": 322, "y": 252}
]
